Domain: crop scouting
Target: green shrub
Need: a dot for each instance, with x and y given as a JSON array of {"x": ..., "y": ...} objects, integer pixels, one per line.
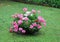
[
  {"x": 27, "y": 23},
  {"x": 52, "y": 3}
]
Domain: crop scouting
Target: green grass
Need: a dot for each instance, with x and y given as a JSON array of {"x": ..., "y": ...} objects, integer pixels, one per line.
[{"x": 50, "y": 33}]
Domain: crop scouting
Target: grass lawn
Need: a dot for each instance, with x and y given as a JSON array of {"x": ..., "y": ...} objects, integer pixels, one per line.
[{"x": 50, "y": 33}]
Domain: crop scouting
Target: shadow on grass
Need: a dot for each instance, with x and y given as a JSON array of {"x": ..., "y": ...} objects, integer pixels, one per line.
[{"x": 40, "y": 33}]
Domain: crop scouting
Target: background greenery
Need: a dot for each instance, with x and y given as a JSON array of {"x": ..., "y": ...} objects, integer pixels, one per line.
[
  {"x": 50, "y": 33},
  {"x": 52, "y": 3}
]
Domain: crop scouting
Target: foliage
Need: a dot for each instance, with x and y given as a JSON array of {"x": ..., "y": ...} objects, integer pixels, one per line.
[
  {"x": 28, "y": 22},
  {"x": 52, "y": 3}
]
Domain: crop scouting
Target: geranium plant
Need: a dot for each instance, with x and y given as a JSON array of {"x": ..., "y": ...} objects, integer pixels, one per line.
[{"x": 28, "y": 22}]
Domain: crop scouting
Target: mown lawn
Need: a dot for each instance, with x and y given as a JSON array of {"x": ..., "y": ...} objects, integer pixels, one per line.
[{"x": 50, "y": 33}]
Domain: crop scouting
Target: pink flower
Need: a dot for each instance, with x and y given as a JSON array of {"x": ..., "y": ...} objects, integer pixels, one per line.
[
  {"x": 38, "y": 12},
  {"x": 20, "y": 16},
  {"x": 23, "y": 31},
  {"x": 44, "y": 24},
  {"x": 16, "y": 26},
  {"x": 14, "y": 23},
  {"x": 40, "y": 19},
  {"x": 15, "y": 30},
  {"x": 20, "y": 29},
  {"x": 39, "y": 26},
  {"x": 33, "y": 11},
  {"x": 20, "y": 22},
  {"x": 31, "y": 26},
  {"x": 25, "y": 18},
  {"x": 34, "y": 24},
  {"x": 25, "y": 9}
]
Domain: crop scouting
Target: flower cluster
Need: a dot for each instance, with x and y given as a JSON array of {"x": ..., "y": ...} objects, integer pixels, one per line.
[{"x": 28, "y": 22}]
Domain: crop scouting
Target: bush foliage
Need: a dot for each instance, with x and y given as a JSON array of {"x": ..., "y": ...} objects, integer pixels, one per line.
[
  {"x": 28, "y": 22},
  {"x": 52, "y": 3}
]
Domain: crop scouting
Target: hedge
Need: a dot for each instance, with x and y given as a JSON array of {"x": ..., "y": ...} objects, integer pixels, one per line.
[{"x": 52, "y": 3}]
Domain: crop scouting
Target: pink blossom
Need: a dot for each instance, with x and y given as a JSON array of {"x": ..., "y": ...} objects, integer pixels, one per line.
[
  {"x": 38, "y": 12},
  {"x": 34, "y": 24},
  {"x": 25, "y": 18},
  {"x": 25, "y": 9},
  {"x": 39, "y": 26},
  {"x": 20, "y": 16},
  {"x": 15, "y": 30},
  {"x": 40, "y": 19},
  {"x": 20, "y": 22},
  {"x": 33, "y": 11},
  {"x": 23, "y": 31},
  {"x": 44, "y": 24},
  {"x": 20, "y": 29},
  {"x": 31, "y": 26},
  {"x": 14, "y": 23},
  {"x": 16, "y": 26}
]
